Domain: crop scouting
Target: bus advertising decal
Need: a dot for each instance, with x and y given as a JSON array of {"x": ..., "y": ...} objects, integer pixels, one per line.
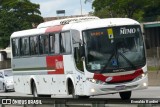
[
  {"x": 54, "y": 29},
  {"x": 55, "y": 64}
]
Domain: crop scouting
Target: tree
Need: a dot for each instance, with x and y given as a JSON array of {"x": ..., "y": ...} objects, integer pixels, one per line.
[
  {"x": 119, "y": 8},
  {"x": 152, "y": 11},
  {"x": 17, "y": 15}
]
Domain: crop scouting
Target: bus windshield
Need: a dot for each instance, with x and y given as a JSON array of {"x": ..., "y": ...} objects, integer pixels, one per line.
[{"x": 114, "y": 49}]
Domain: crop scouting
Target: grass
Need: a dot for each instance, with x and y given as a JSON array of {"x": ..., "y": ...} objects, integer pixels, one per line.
[{"x": 153, "y": 68}]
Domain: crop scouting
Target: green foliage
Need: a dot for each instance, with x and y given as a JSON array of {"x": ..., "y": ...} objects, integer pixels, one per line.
[
  {"x": 17, "y": 15},
  {"x": 152, "y": 11},
  {"x": 136, "y": 9},
  {"x": 152, "y": 68}
]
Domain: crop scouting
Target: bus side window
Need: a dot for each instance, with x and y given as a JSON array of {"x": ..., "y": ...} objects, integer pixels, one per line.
[
  {"x": 62, "y": 43},
  {"x": 46, "y": 44},
  {"x": 57, "y": 44},
  {"x": 15, "y": 47},
  {"x": 51, "y": 43},
  {"x": 34, "y": 45},
  {"x": 65, "y": 40},
  {"x": 41, "y": 44},
  {"x": 24, "y": 49},
  {"x": 76, "y": 47}
]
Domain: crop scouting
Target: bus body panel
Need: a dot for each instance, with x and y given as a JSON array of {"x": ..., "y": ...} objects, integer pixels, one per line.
[{"x": 19, "y": 84}]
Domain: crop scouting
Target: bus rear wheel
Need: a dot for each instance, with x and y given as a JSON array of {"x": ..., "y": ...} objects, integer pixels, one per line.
[
  {"x": 125, "y": 95},
  {"x": 4, "y": 88}
]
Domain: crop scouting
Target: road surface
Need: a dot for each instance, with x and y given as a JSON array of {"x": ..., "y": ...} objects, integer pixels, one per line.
[{"x": 151, "y": 92}]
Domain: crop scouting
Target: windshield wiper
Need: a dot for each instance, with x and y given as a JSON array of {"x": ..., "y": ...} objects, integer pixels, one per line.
[
  {"x": 128, "y": 61},
  {"x": 116, "y": 54},
  {"x": 106, "y": 65}
]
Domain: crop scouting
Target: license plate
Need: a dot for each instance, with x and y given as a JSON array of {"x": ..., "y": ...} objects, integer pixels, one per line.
[{"x": 121, "y": 87}]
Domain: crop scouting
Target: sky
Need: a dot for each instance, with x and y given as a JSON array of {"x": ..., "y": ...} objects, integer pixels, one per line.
[{"x": 72, "y": 7}]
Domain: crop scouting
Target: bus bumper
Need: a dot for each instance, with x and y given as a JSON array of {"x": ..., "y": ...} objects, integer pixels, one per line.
[{"x": 100, "y": 89}]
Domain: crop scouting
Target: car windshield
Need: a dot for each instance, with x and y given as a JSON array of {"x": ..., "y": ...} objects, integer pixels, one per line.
[
  {"x": 114, "y": 49},
  {"x": 8, "y": 73}
]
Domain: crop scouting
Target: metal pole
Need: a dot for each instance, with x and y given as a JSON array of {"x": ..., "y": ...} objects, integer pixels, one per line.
[{"x": 81, "y": 6}]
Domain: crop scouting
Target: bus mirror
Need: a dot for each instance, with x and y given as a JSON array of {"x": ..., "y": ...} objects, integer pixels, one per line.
[{"x": 82, "y": 51}]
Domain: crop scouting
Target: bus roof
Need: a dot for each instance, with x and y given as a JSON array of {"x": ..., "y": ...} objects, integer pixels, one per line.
[
  {"x": 109, "y": 22},
  {"x": 66, "y": 21},
  {"x": 28, "y": 32},
  {"x": 84, "y": 25}
]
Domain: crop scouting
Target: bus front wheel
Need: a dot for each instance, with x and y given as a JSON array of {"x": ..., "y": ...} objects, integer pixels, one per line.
[
  {"x": 125, "y": 95},
  {"x": 72, "y": 92},
  {"x": 34, "y": 90}
]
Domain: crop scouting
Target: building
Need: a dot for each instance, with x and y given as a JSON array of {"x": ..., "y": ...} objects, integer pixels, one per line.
[{"x": 5, "y": 58}]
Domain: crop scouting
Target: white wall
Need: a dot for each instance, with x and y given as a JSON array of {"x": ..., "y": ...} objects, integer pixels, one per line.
[{"x": 1, "y": 57}]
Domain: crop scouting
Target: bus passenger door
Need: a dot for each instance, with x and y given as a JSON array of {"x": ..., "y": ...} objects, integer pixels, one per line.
[{"x": 79, "y": 71}]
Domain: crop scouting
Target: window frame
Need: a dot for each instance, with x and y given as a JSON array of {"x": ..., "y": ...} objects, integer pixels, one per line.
[
  {"x": 37, "y": 37},
  {"x": 66, "y": 53},
  {"x": 18, "y": 47},
  {"x": 20, "y": 40}
]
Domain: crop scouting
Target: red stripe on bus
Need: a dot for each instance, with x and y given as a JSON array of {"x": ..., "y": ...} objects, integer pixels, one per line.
[
  {"x": 55, "y": 64},
  {"x": 57, "y": 28},
  {"x": 120, "y": 78}
]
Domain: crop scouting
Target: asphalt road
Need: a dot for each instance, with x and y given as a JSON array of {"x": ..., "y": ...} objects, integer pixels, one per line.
[{"x": 151, "y": 92}]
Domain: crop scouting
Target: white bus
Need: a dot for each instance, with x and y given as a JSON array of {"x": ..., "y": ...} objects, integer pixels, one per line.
[{"x": 82, "y": 57}]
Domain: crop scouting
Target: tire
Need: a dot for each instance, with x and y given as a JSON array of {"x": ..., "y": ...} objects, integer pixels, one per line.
[
  {"x": 46, "y": 96},
  {"x": 4, "y": 88},
  {"x": 125, "y": 95},
  {"x": 34, "y": 90},
  {"x": 77, "y": 96},
  {"x": 71, "y": 90},
  {"x": 73, "y": 93}
]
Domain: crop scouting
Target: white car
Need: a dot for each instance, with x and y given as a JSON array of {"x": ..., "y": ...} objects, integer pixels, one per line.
[{"x": 6, "y": 80}]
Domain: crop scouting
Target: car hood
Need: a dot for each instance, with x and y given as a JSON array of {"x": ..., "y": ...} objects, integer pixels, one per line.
[{"x": 10, "y": 78}]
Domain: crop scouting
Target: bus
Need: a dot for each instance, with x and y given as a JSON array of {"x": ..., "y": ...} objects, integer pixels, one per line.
[{"x": 82, "y": 57}]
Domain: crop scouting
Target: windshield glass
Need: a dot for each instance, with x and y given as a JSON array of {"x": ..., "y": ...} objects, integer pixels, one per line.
[{"x": 114, "y": 49}]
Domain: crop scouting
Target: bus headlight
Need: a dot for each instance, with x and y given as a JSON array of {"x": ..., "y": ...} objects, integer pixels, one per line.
[
  {"x": 95, "y": 81},
  {"x": 144, "y": 84},
  {"x": 140, "y": 77}
]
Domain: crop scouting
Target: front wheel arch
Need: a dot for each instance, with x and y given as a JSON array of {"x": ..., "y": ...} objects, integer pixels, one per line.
[
  {"x": 34, "y": 88},
  {"x": 70, "y": 86}
]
